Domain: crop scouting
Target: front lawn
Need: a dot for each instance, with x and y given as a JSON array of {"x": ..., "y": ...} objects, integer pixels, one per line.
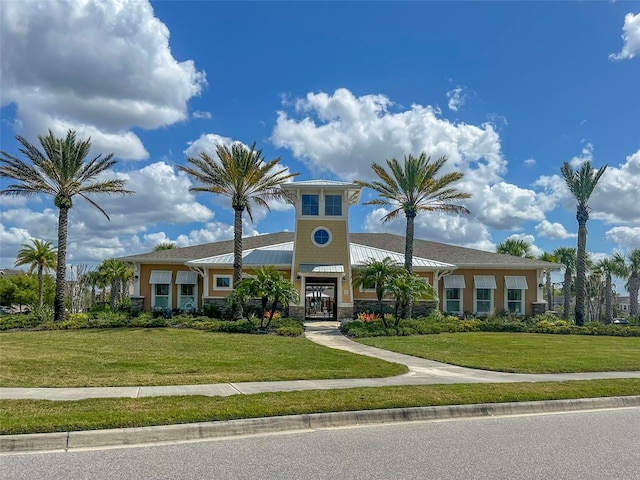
[
  {"x": 520, "y": 352},
  {"x": 165, "y": 356},
  {"x": 35, "y": 416}
]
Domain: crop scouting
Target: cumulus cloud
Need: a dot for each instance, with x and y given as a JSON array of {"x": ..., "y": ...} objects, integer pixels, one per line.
[
  {"x": 56, "y": 78},
  {"x": 457, "y": 98},
  {"x": 452, "y": 229},
  {"x": 340, "y": 135},
  {"x": 553, "y": 230},
  {"x": 630, "y": 38},
  {"x": 615, "y": 199},
  {"x": 625, "y": 237}
]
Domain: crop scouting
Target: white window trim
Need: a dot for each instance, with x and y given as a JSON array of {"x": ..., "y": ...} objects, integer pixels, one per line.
[
  {"x": 491, "y": 301},
  {"x": 226, "y": 289},
  {"x": 312, "y": 215},
  {"x": 506, "y": 299},
  {"x": 515, "y": 283},
  {"x": 324, "y": 209},
  {"x": 153, "y": 295},
  {"x": 313, "y": 234},
  {"x": 195, "y": 296},
  {"x": 460, "y": 309}
]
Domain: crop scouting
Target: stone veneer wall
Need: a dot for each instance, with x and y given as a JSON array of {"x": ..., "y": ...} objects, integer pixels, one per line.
[
  {"x": 137, "y": 304},
  {"x": 538, "y": 308},
  {"x": 420, "y": 309}
]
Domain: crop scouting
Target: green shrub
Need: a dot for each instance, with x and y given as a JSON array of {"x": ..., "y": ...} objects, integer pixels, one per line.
[
  {"x": 290, "y": 331},
  {"x": 9, "y": 322}
]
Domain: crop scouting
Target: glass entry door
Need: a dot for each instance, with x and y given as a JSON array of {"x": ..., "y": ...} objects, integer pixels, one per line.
[{"x": 320, "y": 298}]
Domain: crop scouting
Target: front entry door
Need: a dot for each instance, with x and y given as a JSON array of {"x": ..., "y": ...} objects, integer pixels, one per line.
[{"x": 320, "y": 298}]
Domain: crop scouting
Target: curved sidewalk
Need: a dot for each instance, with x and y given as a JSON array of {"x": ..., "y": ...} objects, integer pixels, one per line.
[{"x": 421, "y": 372}]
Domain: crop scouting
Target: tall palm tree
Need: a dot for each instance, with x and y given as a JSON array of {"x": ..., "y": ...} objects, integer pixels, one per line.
[
  {"x": 516, "y": 247},
  {"x": 548, "y": 257},
  {"x": 581, "y": 183},
  {"x": 62, "y": 172},
  {"x": 610, "y": 267},
  {"x": 377, "y": 273},
  {"x": 242, "y": 175},
  {"x": 633, "y": 280},
  {"x": 567, "y": 257},
  {"x": 414, "y": 188},
  {"x": 40, "y": 256}
]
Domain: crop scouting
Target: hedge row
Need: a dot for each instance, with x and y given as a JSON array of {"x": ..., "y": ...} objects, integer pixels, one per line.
[
  {"x": 438, "y": 323},
  {"x": 77, "y": 321}
]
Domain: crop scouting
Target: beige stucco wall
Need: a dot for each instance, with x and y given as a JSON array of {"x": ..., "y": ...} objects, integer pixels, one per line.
[
  {"x": 358, "y": 295},
  {"x": 145, "y": 286},
  {"x": 531, "y": 294},
  {"x": 336, "y": 252}
]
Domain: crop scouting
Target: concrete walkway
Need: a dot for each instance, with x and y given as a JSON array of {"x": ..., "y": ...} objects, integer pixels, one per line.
[{"x": 421, "y": 372}]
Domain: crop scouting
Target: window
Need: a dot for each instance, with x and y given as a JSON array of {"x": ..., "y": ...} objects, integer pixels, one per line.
[
  {"x": 161, "y": 295},
  {"x": 453, "y": 285},
  {"x": 483, "y": 298},
  {"x": 160, "y": 281},
  {"x": 333, "y": 205},
  {"x": 515, "y": 287},
  {"x": 310, "y": 204},
  {"x": 368, "y": 286},
  {"x": 187, "y": 289},
  {"x": 453, "y": 303},
  {"x": 514, "y": 300},
  {"x": 222, "y": 282},
  {"x": 321, "y": 237}
]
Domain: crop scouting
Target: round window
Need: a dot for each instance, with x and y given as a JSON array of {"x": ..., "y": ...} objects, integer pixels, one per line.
[{"x": 321, "y": 237}]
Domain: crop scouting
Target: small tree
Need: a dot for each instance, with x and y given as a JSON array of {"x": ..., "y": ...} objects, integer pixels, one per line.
[
  {"x": 379, "y": 274},
  {"x": 40, "y": 257},
  {"x": 406, "y": 288},
  {"x": 567, "y": 257}
]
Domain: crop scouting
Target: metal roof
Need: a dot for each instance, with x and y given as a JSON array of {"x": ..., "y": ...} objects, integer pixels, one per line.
[
  {"x": 319, "y": 268},
  {"x": 280, "y": 254},
  {"x": 360, "y": 254},
  {"x": 320, "y": 183}
]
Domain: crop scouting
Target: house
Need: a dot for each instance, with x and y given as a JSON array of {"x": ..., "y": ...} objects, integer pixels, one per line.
[
  {"x": 319, "y": 258},
  {"x": 622, "y": 305}
]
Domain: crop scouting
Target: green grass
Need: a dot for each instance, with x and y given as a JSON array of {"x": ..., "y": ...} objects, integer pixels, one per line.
[
  {"x": 36, "y": 416},
  {"x": 162, "y": 356},
  {"x": 520, "y": 352}
]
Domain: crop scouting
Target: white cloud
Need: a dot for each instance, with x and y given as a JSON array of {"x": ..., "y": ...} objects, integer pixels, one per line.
[
  {"x": 625, "y": 237},
  {"x": 201, "y": 115},
  {"x": 586, "y": 155},
  {"x": 529, "y": 162},
  {"x": 100, "y": 67},
  {"x": 341, "y": 134},
  {"x": 630, "y": 38},
  {"x": 451, "y": 229},
  {"x": 457, "y": 98},
  {"x": 553, "y": 230}
]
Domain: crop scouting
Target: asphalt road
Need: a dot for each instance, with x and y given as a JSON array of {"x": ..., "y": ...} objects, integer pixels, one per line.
[{"x": 576, "y": 445}]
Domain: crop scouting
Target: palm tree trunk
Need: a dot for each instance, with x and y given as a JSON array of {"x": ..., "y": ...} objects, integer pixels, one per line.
[
  {"x": 40, "y": 279},
  {"x": 549, "y": 291},
  {"x": 61, "y": 268},
  {"x": 581, "y": 270},
  {"x": 237, "y": 257},
  {"x": 408, "y": 242},
  {"x": 608, "y": 304},
  {"x": 567, "y": 293},
  {"x": 114, "y": 292}
]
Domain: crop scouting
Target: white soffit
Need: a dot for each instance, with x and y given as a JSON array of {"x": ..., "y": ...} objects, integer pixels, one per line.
[
  {"x": 160, "y": 276},
  {"x": 454, "y": 281},
  {"x": 516, "y": 283},
  {"x": 485, "y": 281}
]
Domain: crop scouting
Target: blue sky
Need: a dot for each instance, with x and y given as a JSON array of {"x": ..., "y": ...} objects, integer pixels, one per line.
[{"x": 507, "y": 90}]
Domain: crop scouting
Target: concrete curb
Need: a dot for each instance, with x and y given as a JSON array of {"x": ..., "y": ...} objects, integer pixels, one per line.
[{"x": 66, "y": 441}]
